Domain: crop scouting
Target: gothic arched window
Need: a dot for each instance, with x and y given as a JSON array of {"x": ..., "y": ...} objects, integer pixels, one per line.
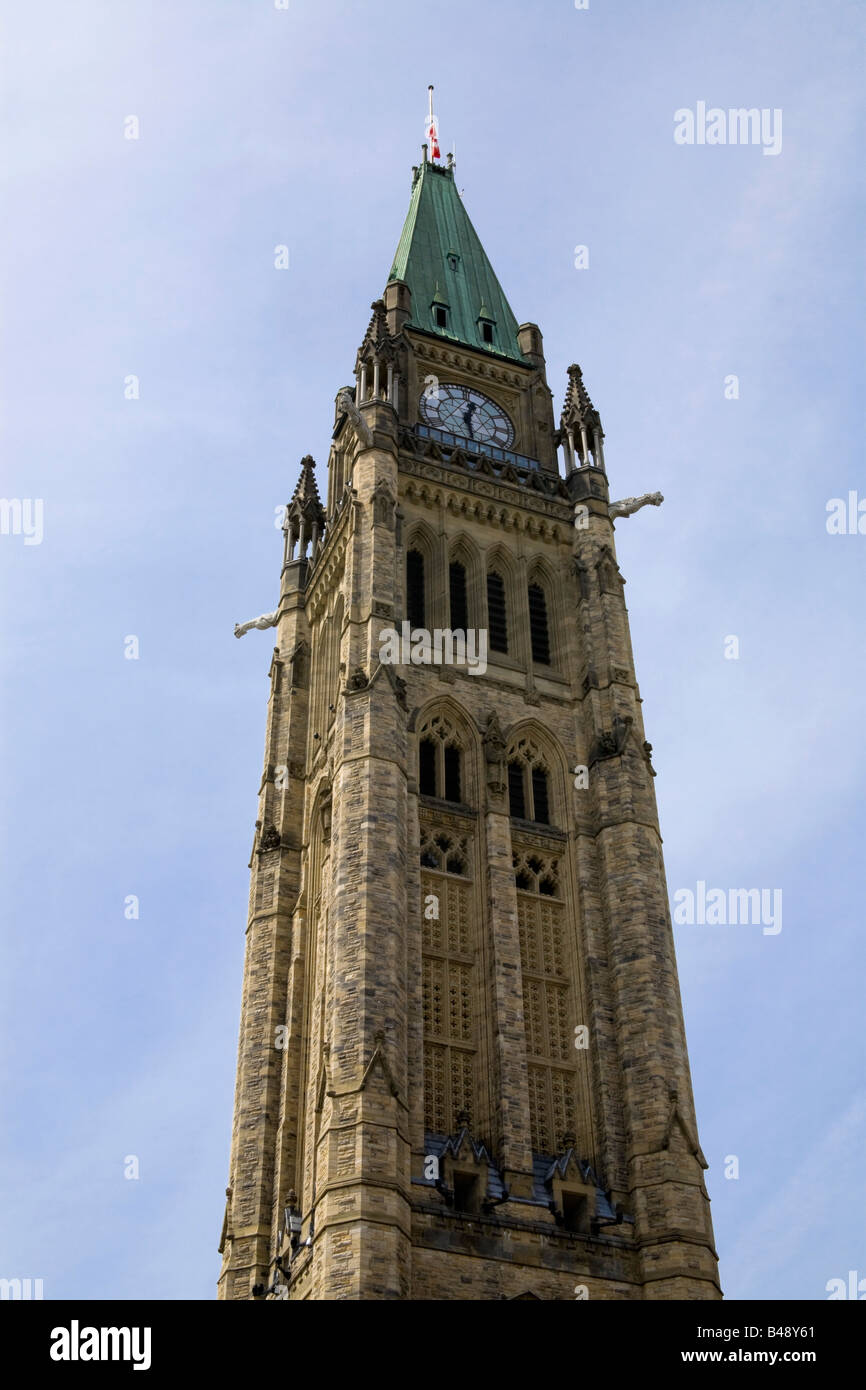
[
  {"x": 334, "y": 661},
  {"x": 535, "y": 872},
  {"x": 415, "y": 606},
  {"x": 538, "y": 631},
  {"x": 445, "y": 851},
  {"x": 528, "y": 783},
  {"x": 440, "y": 760},
  {"x": 497, "y": 620}
]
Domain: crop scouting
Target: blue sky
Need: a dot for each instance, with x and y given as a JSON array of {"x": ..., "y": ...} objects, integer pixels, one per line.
[{"x": 155, "y": 257}]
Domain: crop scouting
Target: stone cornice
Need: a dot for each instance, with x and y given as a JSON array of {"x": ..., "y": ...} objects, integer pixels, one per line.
[
  {"x": 476, "y": 362},
  {"x": 486, "y": 499}
]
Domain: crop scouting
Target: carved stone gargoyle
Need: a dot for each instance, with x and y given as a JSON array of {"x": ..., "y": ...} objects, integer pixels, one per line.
[
  {"x": 629, "y": 505},
  {"x": 359, "y": 424},
  {"x": 610, "y": 742},
  {"x": 270, "y": 839},
  {"x": 266, "y": 620}
]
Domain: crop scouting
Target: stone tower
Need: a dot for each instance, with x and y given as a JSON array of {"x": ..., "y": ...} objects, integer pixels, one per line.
[{"x": 462, "y": 1070}]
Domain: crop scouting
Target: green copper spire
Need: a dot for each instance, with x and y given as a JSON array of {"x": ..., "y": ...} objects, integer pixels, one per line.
[{"x": 455, "y": 293}]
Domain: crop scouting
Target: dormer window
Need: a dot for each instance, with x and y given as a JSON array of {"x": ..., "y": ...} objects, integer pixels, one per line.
[
  {"x": 485, "y": 325},
  {"x": 439, "y": 309},
  {"x": 453, "y": 260}
]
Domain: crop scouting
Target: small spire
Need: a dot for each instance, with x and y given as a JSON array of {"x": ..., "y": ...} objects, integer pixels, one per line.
[
  {"x": 377, "y": 328},
  {"x": 305, "y": 516},
  {"x": 580, "y": 424},
  {"x": 578, "y": 406},
  {"x": 307, "y": 493}
]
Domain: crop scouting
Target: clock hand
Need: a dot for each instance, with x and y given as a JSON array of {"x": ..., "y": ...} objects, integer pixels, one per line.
[{"x": 467, "y": 418}]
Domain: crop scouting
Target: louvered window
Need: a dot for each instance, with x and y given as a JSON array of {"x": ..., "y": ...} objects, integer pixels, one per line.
[
  {"x": 516, "y": 798},
  {"x": 538, "y": 625},
  {"x": 459, "y": 604},
  {"x": 496, "y": 617},
  {"x": 452, "y": 774},
  {"x": 427, "y": 767},
  {"x": 540, "y": 808},
  {"x": 415, "y": 588}
]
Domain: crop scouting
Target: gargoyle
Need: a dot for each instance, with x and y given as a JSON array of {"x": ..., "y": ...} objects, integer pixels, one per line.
[
  {"x": 270, "y": 839},
  {"x": 266, "y": 620},
  {"x": 348, "y": 407},
  {"x": 628, "y": 505},
  {"x": 611, "y": 741}
]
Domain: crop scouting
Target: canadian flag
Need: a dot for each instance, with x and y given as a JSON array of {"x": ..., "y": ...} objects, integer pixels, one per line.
[{"x": 432, "y": 127}]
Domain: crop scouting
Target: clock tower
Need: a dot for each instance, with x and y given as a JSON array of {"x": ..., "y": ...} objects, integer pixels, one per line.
[{"x": 462, "y": 1070}]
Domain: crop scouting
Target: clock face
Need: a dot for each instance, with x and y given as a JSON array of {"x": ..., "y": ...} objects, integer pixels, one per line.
[{"x": 461, "y": 410}]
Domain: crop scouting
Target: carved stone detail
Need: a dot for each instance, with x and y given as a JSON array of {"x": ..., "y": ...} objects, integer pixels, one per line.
[
  {"x": 383, "y": 506},
  {"x": 347, "y": 406},
  {"x": 494, "y": 753},
  {"x": 583, "y": 578},
  {"x": 559, "y": 511},
  {"x": 266, "y": 620},
  {"x": 629, "y": 505},
  {"x": 325, "y": 813},
  {"x": 609, "y": 578},
  {"x": 611, "y": 742},
  {"x": 270, "y": 839}
]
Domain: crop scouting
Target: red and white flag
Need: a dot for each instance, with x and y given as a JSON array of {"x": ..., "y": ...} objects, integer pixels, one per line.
[{"x": 433, "y": 130}]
